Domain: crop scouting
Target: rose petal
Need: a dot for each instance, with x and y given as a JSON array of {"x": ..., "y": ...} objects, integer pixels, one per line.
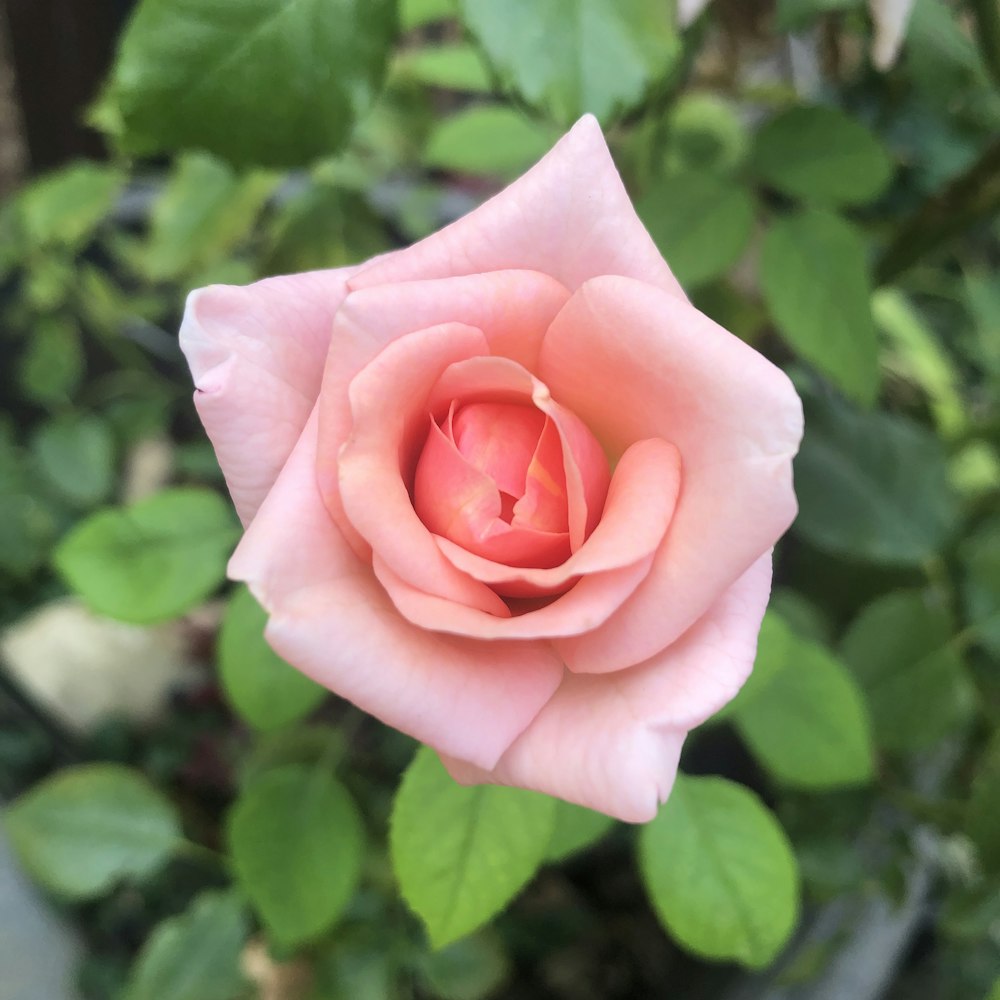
[
  {"x": 612, "y": 742},
  {"x": 582, "y": 608},
  {"x": 735, "y": 419},
  {"x": 499, "y": 440},
  {"x": 331, "y": 619},
  {"x": 584, "y": 463},
  {"x": 454, "y": 500},
  {"x": 513, "y": 309},
  {"x": 640, "y": 504},
  {"x": 372, "y": 477},
  {"x": 256, "y": 354},
  {"x": 569, "y": 216}
]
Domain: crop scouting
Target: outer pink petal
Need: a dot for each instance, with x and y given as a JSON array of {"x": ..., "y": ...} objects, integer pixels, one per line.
[
  {"x": 513, "y": 309},
  {"x": 582, "y": 608},
  {"x": 333, "y": 621},
  {"x": 634, "y": 362},
  {"x": 612, "y": 742},
  {"x": 388, "y": 401},
  {"x": 569, "y": 216},
  {"x": 256, "y": 354},
  {"x": 640, "y": 503}
]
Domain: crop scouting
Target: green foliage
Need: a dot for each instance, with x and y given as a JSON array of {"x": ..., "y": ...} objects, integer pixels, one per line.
[
  {"x": 821, "y": 155},
  {"x": 902, "y": 649},
  {"x": 84, "y": 829},
  {"x": 576, "y": 828},
  {"x": 455, "y": 66},
  {"x": 487, "y": 139},
  {"x": 981, "y": 584},
  {"x": 816, "y": 284},
  {"x": 872, "y": 486},
  {"x": 705, "y": 133},
  {"x": 921, "y": 358},
  {"x": 802, "y": 714},
  {"x": 720, "y": 872},
  {"x": 250, "y": 82},
  {"x": 52, "y": 364},
  {"x": 567, "y": 57},
  {"x": 204, "y": 211},
  {"x": 982, "y": 819},
  {"x": 793, "y": 14},
  {"x": 470, "y": 969},
  {"x": 461, "y": 854},
  {"x": 261, "y": 686},
  {"x": 196, "y": 955},
  {"x": 66, "y": 207},
  {"x": 700, "y": 222},
  {"x": 297, "y": 846},
  {"x": 153, "y": 560},
  {"x": 76, "y": 456}
]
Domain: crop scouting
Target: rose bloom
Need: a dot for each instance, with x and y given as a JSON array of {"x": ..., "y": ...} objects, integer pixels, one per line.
[{"x": 507, "y": 489}]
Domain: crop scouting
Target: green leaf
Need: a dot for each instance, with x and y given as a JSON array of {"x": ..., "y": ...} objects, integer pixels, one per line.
[
  {"x": 297, "y": 845},
  {"x": 982, "y": 819},
  {"x": 461, "y": 854},
  {"x": 815, "y": 280},
  {"x": 194, "y": 956},
  {"x": 254, "y": 82},
  {"x": 415, "y": 13},
  {"x": 76, "y": 455},
  {"x": 981, "y": 584},
  {"x": 262, "y": 687},
  {"x": 487, "y": 140},
  {"x": 571, "y": 56},
  {"x": 705, "y": 133},
  {"x": 822, "y": 156},
  {"x": 204, "y": 211},
  {"x": 471, "y": 969},
  {"x": 790, "y": 15},
  {"x": 323, "y": 227},
  {"x": 52, "y": 365},
  {"x": 153, "y": 560},
  {"x": 64, "y": 208},
  {"x": 85, "y": 828},
  {"x": 917, "y": 355},
  {"x": 455, "y": 66},
  {"x": 872, "y": 486},
  {"x": 720, "y": 872},
  {"x": 576, "y": 828},
  {"x": 803, "y": 715},
  {"x": 700, "y": 222},
  {"x": 902, "y": 650}
]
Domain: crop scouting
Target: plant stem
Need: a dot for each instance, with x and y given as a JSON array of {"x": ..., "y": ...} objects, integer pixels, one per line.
[{"x": 972, "y": 196}]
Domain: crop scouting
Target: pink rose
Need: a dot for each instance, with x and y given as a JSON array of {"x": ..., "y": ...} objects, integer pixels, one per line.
[{"x": 507, "y": 490}]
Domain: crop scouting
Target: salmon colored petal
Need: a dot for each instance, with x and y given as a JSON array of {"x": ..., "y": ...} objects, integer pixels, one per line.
[
  {"x": 389, "y": 406},
  {"x": 583, "y": 607},
  {"x": 456, "y": 501},
  {"x": 256, "y": 354},
  {"x": 641, "y": 501},
  {"x": 569, "y": 216},
  {"x": 334, "y": 622},
  {"x": 543, "y": 504},
  {"x": 500, "y": 440},
  {"x": 513, "y": 309},
  {"x": 585, "y": 466},
  {"x": 612, "y": 742},
  {"x": 735, "y": 419}
]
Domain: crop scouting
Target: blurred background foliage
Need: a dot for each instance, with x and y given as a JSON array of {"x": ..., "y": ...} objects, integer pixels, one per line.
[{"x": 213, "y": 824}]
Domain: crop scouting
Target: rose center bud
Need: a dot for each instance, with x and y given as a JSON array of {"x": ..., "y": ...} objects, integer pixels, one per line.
[{"x": 492, "y": 478}]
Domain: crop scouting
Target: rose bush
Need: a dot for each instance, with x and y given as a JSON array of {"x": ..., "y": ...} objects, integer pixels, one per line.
[{"x": 506, "y": 489}]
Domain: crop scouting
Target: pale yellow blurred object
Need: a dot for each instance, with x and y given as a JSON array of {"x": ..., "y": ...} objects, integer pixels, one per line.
[
  {"x": 276, "y": 980},
  {"x": 81, "y": 667}
]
